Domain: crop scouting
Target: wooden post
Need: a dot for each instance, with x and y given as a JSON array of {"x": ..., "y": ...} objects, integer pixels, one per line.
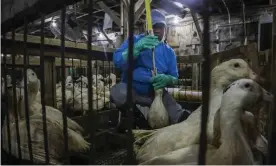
[
  {"x": 50, "y": 81},
  {"x": 272, "y": 126},
  {"x": 195, "y": 76}
]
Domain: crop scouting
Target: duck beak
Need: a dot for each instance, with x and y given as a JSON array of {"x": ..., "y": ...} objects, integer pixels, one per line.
[{"x": 267, "y": 97}]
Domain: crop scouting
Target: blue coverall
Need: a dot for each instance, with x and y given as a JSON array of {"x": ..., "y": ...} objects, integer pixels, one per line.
[{"x": 143, "y": 92}]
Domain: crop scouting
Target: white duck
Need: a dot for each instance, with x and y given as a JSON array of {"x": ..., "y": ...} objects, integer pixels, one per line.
[
  {"x": 187, "y": 132},
  {"x": 234, "y": 148},
  {"x": 58, "y": 85},
  {"x": 55, "y": 135},
  {"x": 68, "y": 94},
  {"x": 8, "y": 81},
  {"x": 36, "y": 108},
  {"x": 107, "y": 87},
  {"x": 98, "y": 77},
  {"x": 69, "y": 79},
  {"x": 83, "y": 82},
  {"x": 98, "y": 102},
  {"x": 111, "y": 77}
]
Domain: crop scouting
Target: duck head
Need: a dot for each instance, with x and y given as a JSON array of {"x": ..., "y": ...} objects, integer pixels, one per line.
[
  {"x": 68, "y": 79},
  {"x": 69, "y": 86},
  {"x": 9, "y": 80},
  {"x": 33, "y": 83},
  {"x": 244, "y": 94},
  {"x": 230, "y": 71}
]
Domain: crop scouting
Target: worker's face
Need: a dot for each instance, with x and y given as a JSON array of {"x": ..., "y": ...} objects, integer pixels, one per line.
[{"x": 159, "y": 30}]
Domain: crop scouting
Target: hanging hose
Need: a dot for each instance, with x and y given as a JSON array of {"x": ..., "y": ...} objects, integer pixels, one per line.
[
  {"x": 157, "y": 116},
  {"x": 229, "y": 22},
  {"x": 150, "y": 32}
]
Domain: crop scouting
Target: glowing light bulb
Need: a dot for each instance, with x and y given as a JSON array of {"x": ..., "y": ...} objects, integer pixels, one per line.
[
  {"x": 175, "y": 20},
  {"x": 101, "y": 36},
  {"x": 178, "y": 4},
  {"x": 54, "y": 24}
]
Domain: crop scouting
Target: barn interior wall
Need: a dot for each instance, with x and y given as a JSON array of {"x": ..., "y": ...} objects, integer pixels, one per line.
[
  {"x": 10, "y": 8},
  {"x": 185, "y": 41}
]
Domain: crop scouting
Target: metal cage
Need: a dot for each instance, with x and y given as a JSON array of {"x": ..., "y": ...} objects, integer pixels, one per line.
[{"x": 24, "y": 118}]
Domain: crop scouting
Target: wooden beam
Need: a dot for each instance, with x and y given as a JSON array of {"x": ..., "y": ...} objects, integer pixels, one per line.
[
  {"x": 36, "y": 62},
  {"x": 56, "y": 42},
  {"x": 139, "y": 9},
  {"x": 110, "y": 12},
  {"x": 52, "y": 48}
]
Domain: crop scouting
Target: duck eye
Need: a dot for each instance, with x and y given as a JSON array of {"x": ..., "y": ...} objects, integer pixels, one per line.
[
  {"x": 247, "y": 85},
  {"x": 236, "y": 65}
]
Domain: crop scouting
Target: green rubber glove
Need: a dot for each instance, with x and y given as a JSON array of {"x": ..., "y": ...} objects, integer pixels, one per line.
[
  {"x": 147, "y": 42},
  {"x": 161, "y": 80}
]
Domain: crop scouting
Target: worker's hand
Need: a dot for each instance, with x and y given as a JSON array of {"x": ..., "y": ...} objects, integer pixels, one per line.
[
  {"x": 161, "y": 80},
  {"x": 147, "y": 42}
]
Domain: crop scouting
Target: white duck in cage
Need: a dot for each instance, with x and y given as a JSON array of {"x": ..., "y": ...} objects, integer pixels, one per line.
[
  {"x": 5, "y": 83},
  {"x": 233, "y": 146},
  {"x": 54, "y": 123},
  {"x": 187, "y": 132}
]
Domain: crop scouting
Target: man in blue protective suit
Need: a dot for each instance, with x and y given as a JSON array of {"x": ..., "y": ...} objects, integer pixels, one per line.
[{"x": 143, "y": 82}]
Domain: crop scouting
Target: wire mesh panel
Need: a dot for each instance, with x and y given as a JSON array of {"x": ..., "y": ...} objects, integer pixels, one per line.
[
  {"x": 33, "y": 131},
  {"x": 79, "y": 90},
  {"x": 56, "y": 97}
]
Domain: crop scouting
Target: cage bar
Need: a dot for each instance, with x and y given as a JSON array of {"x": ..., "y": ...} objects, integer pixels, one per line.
[
  {"x": 7, "y": 103},
  {"x": 90, "y": 89},
  {"x": 205, "y": 87},
  {"x": 42, "y": 78},
  {"x": 26, "y": 101},
  {"x": 130, "y": 152},
  {"x": 64, "y": 107}
]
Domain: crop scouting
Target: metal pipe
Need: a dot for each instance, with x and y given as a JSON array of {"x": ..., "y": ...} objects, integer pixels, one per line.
[
  {"x": 15, "y": 96},
  {"x": 217, "y": 39},
  {"x": 205, "y": 87},
  {"x": 240, "y": 23},
  {"x": 130, "y": 152},
  {"x": 64, "y": 107},
  {"x": 42, "y": 89},
  {"x": 7, "y": 103},
  {"x": 197, "y": 26},
  {"x": 122, "y": 16},
  {"x": 26, "y": 62}
]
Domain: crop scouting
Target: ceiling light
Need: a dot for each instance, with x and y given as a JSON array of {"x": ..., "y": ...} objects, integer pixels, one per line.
[
  {"x": 175, "y": 20},
  {"x": 54, "y": 24},
  {"x": 101, "y": 36},
  {"x": 178, "y": 4}
]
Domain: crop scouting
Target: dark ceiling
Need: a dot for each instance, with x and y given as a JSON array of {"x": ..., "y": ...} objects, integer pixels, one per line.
[{"x": 80, "y": 11}]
